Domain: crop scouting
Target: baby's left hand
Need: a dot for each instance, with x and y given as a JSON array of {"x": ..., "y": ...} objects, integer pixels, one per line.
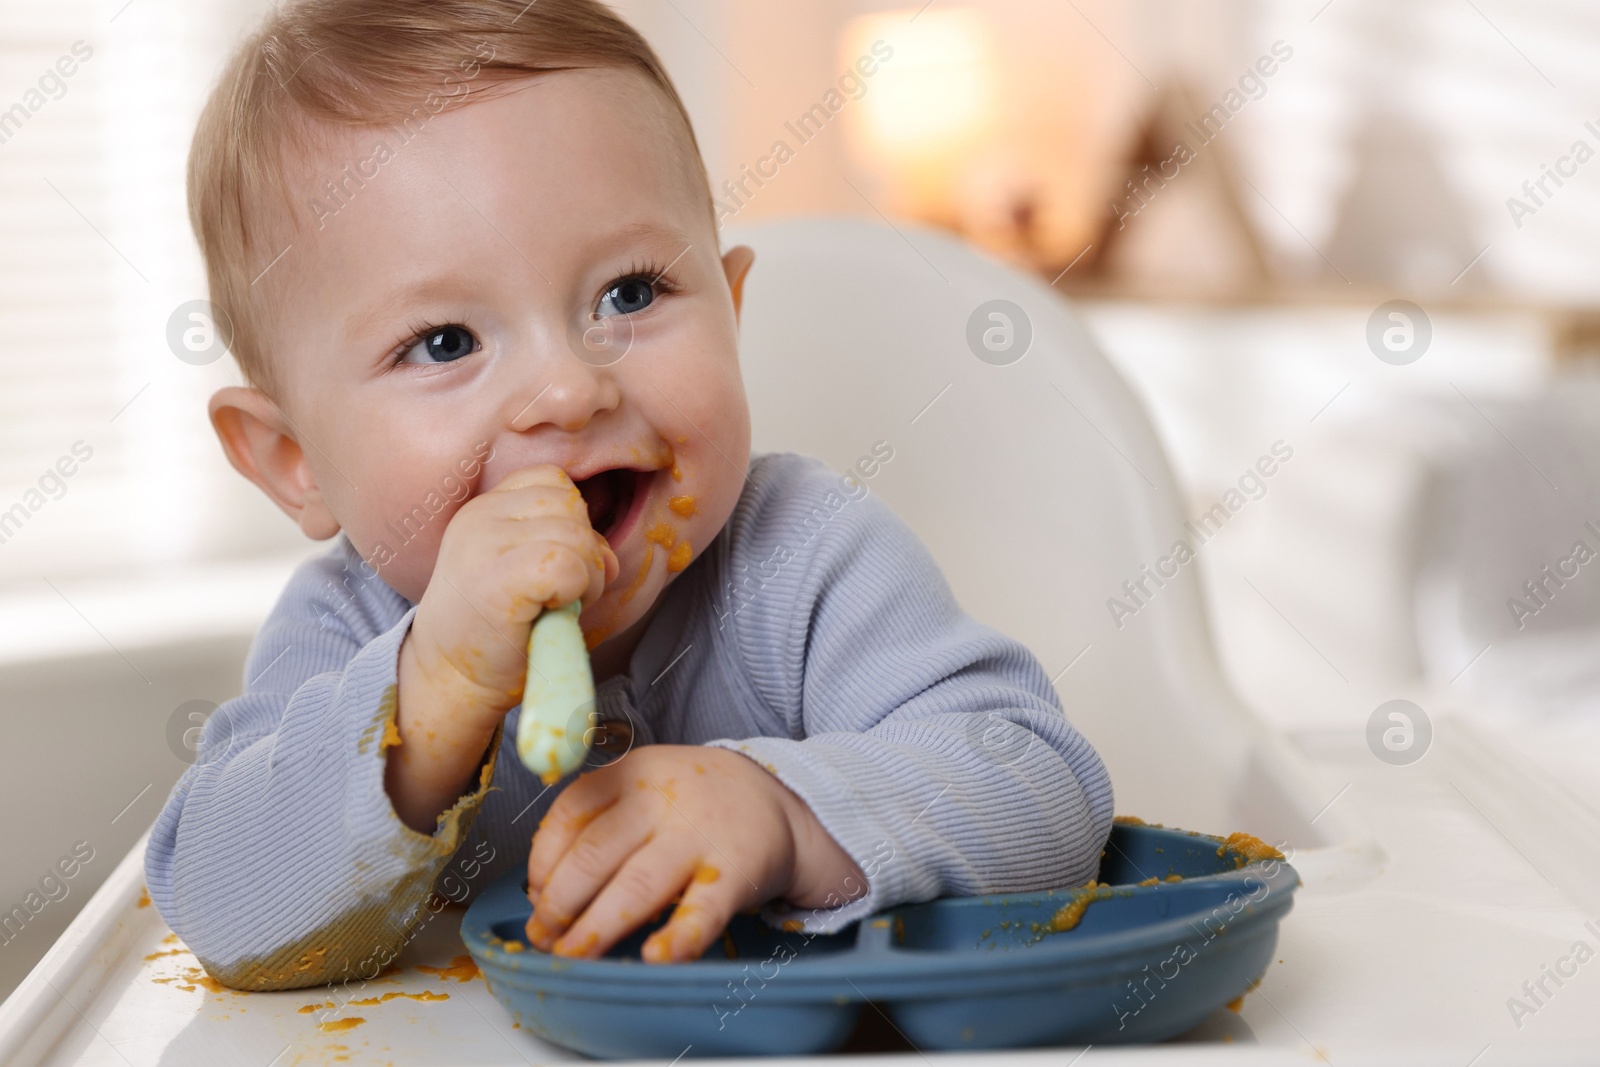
[{"x": 621, "y": 842}]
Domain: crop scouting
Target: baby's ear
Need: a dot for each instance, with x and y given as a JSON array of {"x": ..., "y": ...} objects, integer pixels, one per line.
[
  {"x": 736, "y": 264},
  {"x": 260, "y": 443}
]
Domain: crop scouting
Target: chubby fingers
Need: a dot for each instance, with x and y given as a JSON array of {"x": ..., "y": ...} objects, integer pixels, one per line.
[
  {"x": 648, "y": 880},
  {"x": 601, "y": 847},
  {"x": 542, "y": 510},
  {"x": 579, "y": 804},
  {"x": 542, "y": 474},
  {"x": 585, "y": 799},
  {"x": 710, "y": 900},
  {"x": 604, "y": 573}
]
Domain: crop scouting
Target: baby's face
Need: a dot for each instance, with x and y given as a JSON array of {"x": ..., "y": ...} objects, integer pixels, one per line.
[{"x": 534, "y": 279}]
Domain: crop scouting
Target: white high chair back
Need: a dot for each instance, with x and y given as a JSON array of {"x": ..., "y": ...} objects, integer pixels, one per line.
[{"x": 1038, "y": 484}]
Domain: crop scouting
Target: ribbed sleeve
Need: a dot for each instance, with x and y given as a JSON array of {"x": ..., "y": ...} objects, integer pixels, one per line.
[
  {"x": 931, "y": 747},
  {"x": 278, "y": 857}
]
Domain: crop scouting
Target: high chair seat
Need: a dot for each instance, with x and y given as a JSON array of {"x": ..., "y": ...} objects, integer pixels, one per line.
[{"x": 1032, "y": 474}]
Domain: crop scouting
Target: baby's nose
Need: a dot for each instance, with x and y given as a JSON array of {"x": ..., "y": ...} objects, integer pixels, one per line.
[{"x": 566, "y": 392}]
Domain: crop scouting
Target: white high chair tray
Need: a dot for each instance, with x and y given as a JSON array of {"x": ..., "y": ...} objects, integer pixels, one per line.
[{"x": 1401, "y": 951}]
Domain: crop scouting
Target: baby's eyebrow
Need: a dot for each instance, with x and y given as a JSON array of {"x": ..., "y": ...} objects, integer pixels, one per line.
[
  {"x": 394, "y": 302},
  {"x": 644, "y": 230}
]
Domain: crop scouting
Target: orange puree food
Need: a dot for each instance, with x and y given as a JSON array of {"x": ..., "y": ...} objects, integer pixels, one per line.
[
  {"x": 1248, "y": 849},
  {"x": 1071, "y": 913},
  {"x": 662, "y": 534},
  {"x": 680, "y": 557},
  {"x": 644, "y": 572},
  {"x": 462, "y": 969},
  {"x": 682, "y": 506},
  {"x": 205, "y": 981},
  {"x": 368, "y": 1002},
  {"x": 333, "y": 1026}
]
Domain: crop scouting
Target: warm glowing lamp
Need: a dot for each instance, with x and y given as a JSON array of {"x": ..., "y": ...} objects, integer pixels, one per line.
[{"x": 926, "y": 107}]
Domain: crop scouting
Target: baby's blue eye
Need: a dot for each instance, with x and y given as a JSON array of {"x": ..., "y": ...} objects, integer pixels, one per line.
[
  {"x": 627, "y": 296},
  {"x": 442, "y": 345}
]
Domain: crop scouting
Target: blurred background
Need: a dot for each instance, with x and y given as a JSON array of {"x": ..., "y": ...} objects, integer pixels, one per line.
[{"x": 1234, "y": 195}]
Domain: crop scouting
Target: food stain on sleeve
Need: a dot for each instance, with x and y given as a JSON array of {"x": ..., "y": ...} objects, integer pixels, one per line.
[
  {"x": 382, "y": 722},
  {"x": 682, "y": 506},
  {"x": 391, "y": 736},
  {"x": 144, "y": 899}
]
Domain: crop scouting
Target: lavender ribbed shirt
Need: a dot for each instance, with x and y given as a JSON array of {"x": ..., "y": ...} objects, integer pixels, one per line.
[{"x": 814, "y": 634}]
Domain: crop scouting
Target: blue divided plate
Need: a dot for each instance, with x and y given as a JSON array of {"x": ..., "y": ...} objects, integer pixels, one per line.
[{"x": 1145, "y": 961}]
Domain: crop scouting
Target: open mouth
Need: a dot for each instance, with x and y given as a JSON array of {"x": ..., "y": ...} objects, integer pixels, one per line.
[{"x": 613, "y": 497}]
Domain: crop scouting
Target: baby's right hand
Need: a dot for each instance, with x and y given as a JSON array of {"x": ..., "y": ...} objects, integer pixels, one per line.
[{"x": 508, "y": 554}]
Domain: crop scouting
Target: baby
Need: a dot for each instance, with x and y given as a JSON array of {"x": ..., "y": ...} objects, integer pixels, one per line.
[{"x": 470, "y": 257}]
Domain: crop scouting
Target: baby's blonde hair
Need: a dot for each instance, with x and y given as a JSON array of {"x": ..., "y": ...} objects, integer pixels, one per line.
[{"x": 366, "y": 63}]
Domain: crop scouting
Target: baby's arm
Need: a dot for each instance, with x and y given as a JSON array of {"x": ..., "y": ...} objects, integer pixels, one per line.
[
  {"x": 300, "y": 849},
  {"x": 506, "y": 555},
  {"x": 935, "y": 751},
  {"x": 278, "y": 857}
]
